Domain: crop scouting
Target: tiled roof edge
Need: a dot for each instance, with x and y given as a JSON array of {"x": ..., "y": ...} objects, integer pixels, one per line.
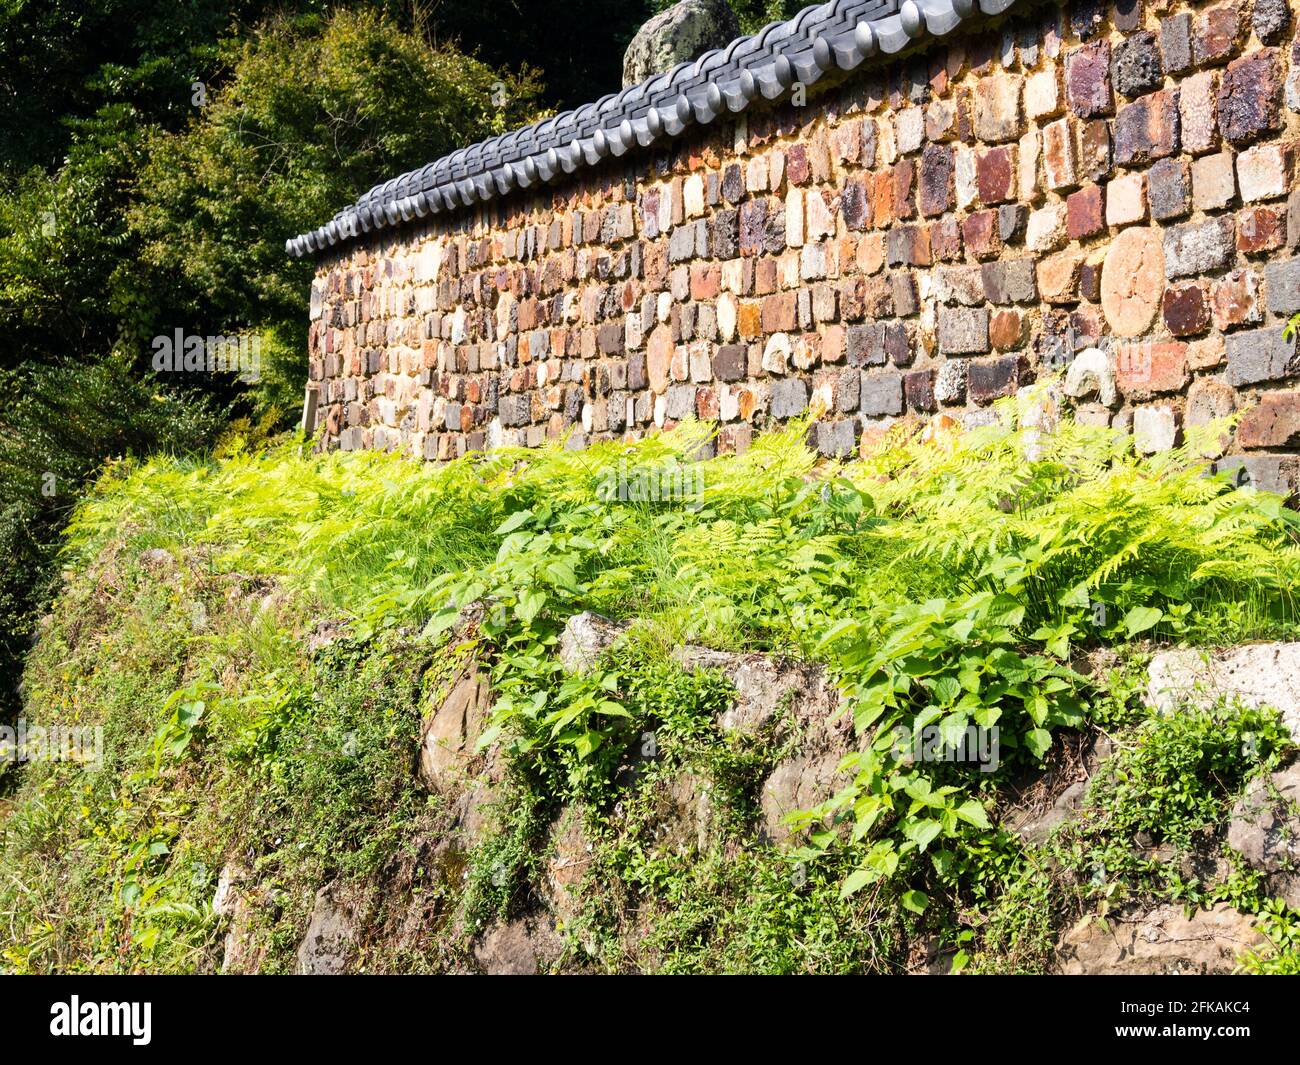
[{"x": 836, "y": 36}]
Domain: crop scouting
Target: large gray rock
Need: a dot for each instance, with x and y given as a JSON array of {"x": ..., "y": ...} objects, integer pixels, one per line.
[
  {"x": 1265, "y": 828},
  {"x": 524, "y": 947},
  {"x": 1160, "y": 942},
  {"x": 1259, "y": 674},
  {"x": 585, "y": 638},
  {"x": 684, "y": 32},
  {"x": 330, "y": 944},
  {"x": 775, "y": 697},
  {"x": 450, "y": 732}
]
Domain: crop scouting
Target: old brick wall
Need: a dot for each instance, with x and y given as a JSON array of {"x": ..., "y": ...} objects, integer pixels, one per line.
[{"x": 1113, "y": 180}]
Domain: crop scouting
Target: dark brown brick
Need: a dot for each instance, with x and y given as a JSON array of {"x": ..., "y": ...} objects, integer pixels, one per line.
[
  {"x": 994, "y": 378},
  {"x": 918, "y": 390},
  {"x": 1186, "y": 309},
  {"x": 937, "y": 192},
  {"x": 1147, "y": 128}
]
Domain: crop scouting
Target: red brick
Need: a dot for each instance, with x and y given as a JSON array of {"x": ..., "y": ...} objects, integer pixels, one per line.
[
  {"x": 1085, "y": 213},
  {"x": 995, "y": 175},
  {"x": 1143, "y": 368},
  {"x": 980, "y": 234},
  {"x": 1261, "y": 229},
  {"x": 1275, "y": 422}
]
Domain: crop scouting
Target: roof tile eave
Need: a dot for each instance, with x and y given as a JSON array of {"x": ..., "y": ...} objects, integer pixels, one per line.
[{"x": 837, "y": 36}]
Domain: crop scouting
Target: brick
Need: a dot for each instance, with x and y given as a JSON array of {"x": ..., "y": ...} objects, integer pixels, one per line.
[
  {"x": 881, "y": 393},
  {"x": 1095, "y": 149},
  {"x": 937, "y": 192},
  {"x": 1155, "y": 429},
  {"x": 1058, "y": 155},
  {"x": 1046, "y": 229},
  {"x": 789, "y": 397},
  {"x": 1087, "y": 80},
  {"x": 1136, "y": 67},
  {"x": 855, "y": 205},
  {"x": 1207, "y": 401},
  {"x": 1169, "y": 189},
  {"x": 730, "y": 362},
  {"x": 962, "y": 285},
  {"x": 1128, "y": 15},
  {"x": 1261, "y": 229},
  {"x": 1012, "y": 218},
  {"x": 941, "y": 120},
  {"x": 1234, "y": 300},
  {"x": 1132, "y": 281},
  {"x": 1144, "y": 369},
  {"x": 1087, "y": 18},
  {"x": 1249, "y": 100},
  {"x": 1186, "y": 309},
  {"x": 995, "y": 175},
  {"x": 908, "y": 246},
  {"x": 1274, "y": 422},
  {"x": 1126, "y": 200},
  {"x": 1266, "y": 473},
  {"x": 1147, "y": 129},
  {"x": 1198, "y": 113},
  {"x": 1199, "y": 247},
  {"x": 1006, "y": 330},
  {"x": 847, "y": 390},
  {"x": 837, "y": 439},
  {"x": 1010, "y": 281},
  {"x": 1215, "y": 35},
  {"x": 993, "y": 378},
  {"x": 918, "y": 390},
  {"x": 963, "y": 330},
  {"x": 1214, "y": 183},
  {"x": 865, "y": 344},
  {"x": 1085, "y": 213},
  {"x": 1264, "y": 172},
  {"x": 950, "y": 381},
  {"x": 1058, "y": 277},
  {"x": 998, "y": 114},
  {"x": 1260, "y": 355},
  {"x": 910, "y": 125},
  {"x": 964, "y": 177},
  {"x": 980, "y": 234},
  {"x": 1270, "y": 20},
  {"x": 945, "y": 240},
  {"x": 1206, "y": 354},
  {"x": 1176, "y": 43},
  {"x": 1043, "y": 93},
  {"x": 1282, "y": 280}
]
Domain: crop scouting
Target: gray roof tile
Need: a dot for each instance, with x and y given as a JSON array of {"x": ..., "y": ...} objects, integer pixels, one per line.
[{"x": 835, "y": 36}]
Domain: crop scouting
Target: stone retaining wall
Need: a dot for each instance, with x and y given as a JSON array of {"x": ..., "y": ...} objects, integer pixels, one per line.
[{"x": 928, "y": 236}]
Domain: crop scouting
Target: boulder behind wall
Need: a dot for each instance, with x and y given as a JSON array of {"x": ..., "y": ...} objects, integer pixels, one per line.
[
  {"x": 684, "y": 32},
  {"x": 1159, "y": 942},
  {"x": 1265, "y": 828},
  {"x": 1259, "y": 674}
]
